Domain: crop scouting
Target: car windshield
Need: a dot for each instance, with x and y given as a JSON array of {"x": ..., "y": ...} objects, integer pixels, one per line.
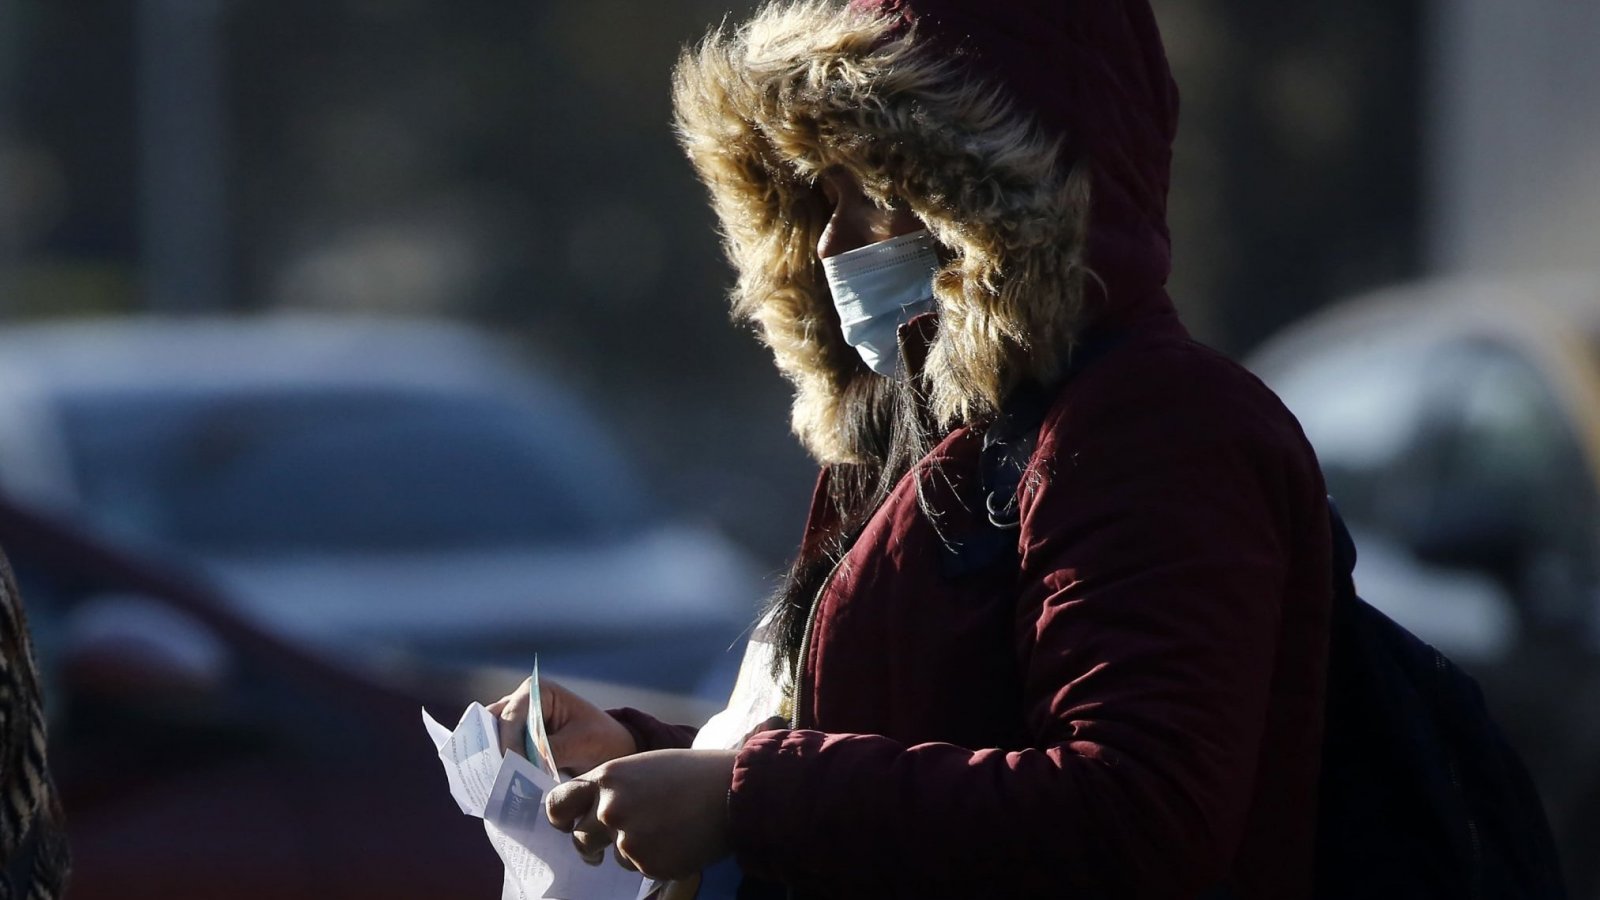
[{"x": 339, "y": 471}]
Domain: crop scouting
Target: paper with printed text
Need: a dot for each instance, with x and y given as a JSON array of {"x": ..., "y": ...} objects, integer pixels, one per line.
[{"x": 507, "y": 791}]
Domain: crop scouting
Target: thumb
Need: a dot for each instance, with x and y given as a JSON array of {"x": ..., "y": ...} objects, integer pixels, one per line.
[
  {"x": 553, "y": 703},
  {"x": 569, "y": 802}
]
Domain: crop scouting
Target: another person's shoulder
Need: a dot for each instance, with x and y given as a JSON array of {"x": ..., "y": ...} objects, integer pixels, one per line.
[{"x": 34, "y": 859}]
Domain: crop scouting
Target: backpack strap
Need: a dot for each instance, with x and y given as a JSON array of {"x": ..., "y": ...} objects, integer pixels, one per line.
[{"x": 1344, "y": 554}]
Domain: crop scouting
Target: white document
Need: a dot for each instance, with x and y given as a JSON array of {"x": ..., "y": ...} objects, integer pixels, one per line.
[
  {"x": 471, "y": 757},
  {"x": 507, "y": 792}
]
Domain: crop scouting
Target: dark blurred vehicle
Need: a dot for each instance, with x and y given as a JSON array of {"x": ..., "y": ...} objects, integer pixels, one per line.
[
  {"x": 1458, "y": 424},
  {"x": 199, "y": 757},
  {"x": 408, "y": 492}
]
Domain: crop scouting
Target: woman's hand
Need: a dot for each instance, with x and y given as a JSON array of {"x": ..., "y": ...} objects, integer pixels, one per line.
[
  {"x": 666, "y": 810},
  {"x": 582, "y": 735}
]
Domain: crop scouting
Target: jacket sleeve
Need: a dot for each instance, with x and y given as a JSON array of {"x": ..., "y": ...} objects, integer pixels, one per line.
[
  {"x": 650, "y": 733},
  {"x": 1154, "y": 553}
]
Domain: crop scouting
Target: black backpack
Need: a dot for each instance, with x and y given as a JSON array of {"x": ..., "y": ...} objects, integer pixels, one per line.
[
  {"x": 1448, "y": 809},
  {"x": 1421, "y": 796}
]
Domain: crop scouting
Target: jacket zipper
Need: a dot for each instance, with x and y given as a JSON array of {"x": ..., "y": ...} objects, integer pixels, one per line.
[
  {"x": 800, "y": 667},
  {"x": 805, "y": 645}
]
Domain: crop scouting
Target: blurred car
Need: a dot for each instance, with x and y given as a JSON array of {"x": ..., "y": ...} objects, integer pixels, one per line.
[
  {"x": 1458, "y": 425},
  {"x": 200, "y": 757},
  {"x": 405, "y": 491}
]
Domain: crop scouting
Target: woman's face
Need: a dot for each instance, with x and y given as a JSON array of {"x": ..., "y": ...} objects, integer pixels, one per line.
[{"x": 855, "y": 221}]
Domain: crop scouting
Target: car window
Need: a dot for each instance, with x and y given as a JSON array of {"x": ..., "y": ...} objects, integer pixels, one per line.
[
  {"x": 341, "y": 472},
  {"x": 1511, "y": 452},
  {"x": 1364, "y": 407}
]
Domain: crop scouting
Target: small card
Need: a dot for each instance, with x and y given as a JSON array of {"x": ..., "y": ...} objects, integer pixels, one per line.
[{"x": 535, "y": 742}]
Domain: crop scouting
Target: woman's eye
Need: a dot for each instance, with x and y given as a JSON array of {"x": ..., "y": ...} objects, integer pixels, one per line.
[{"x": 830, "y": 184}]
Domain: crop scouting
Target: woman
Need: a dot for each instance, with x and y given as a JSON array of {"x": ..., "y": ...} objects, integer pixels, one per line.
[{"x": 1121, "y": 696}]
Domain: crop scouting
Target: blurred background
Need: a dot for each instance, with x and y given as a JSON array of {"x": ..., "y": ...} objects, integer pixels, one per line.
[{"x": 352, "y": 351}]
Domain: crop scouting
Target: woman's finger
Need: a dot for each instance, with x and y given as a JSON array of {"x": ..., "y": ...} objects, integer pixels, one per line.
[
  {"x": 512, "y": 713},
  {"x": 591, "y": 848},
  {"x": 513, "y": 721},
  {"x": 591, "y": 838},
  {"x": 569, "y": 802}
]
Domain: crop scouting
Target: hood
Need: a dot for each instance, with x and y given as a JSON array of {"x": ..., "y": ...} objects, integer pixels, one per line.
[{"x": 1032, "y": 138}]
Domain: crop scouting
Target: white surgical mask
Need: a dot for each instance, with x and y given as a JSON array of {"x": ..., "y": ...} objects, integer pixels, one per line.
[{"x": 879, "y": 287}]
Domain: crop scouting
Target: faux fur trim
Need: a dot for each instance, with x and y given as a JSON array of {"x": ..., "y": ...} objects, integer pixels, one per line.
[{"x": 763, "y": 108}]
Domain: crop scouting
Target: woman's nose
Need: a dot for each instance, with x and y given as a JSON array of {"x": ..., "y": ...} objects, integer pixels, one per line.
[{"x": 844, "y": 231}]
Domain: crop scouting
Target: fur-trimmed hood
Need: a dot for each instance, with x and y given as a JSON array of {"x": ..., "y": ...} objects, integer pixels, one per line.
[{"x": 1032, "y": 138}]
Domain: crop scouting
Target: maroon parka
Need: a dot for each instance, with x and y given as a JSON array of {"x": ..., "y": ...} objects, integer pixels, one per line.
[{"x": 1134, "y": 711}]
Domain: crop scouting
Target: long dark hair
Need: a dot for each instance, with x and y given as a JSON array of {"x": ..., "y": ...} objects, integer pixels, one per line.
[{"x": 888, "y": 425}]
